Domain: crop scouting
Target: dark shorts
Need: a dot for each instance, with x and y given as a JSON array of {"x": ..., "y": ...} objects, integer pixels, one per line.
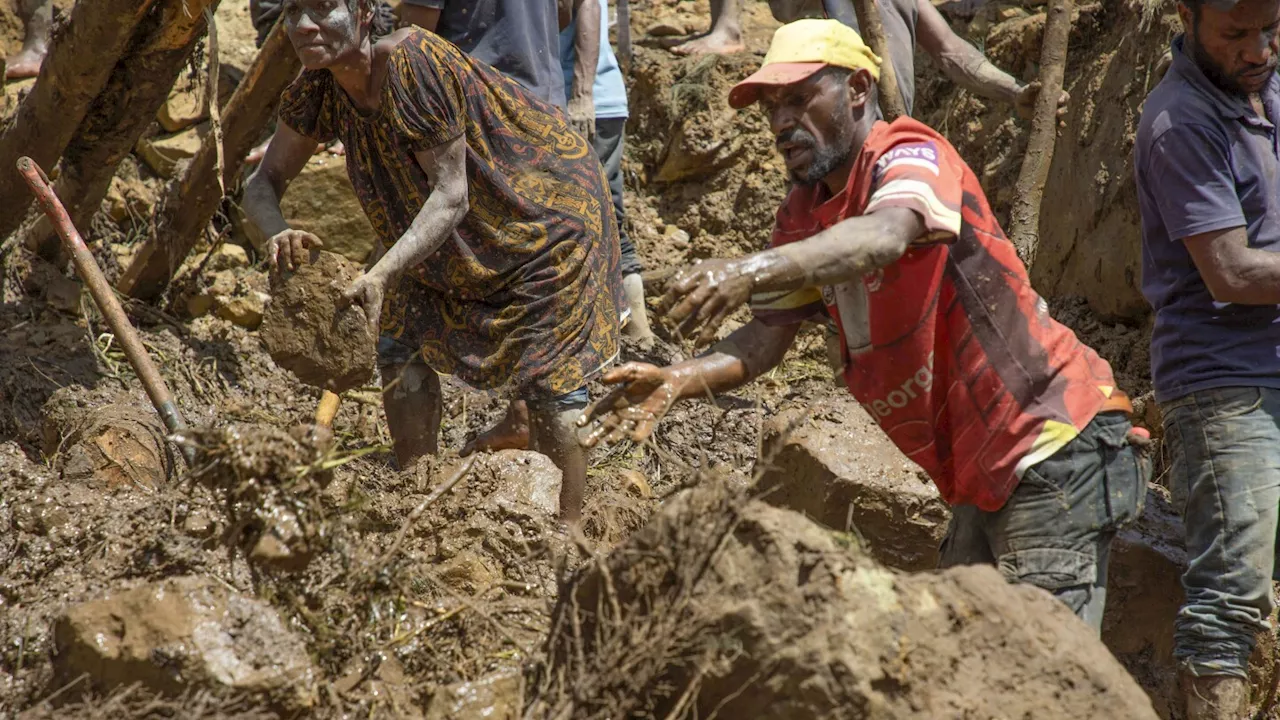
[{"x": 392, "y": 352}]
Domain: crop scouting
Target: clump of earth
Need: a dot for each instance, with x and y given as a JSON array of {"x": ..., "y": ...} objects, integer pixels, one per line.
[{"x": 309, "y": 330}]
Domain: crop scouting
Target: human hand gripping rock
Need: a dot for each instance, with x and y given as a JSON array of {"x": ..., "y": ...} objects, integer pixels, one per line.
[
  {"x": 288, "y": 249},
  {"x": 367, "y": 293},
  {"x": 645, "y": 394},
  {"x": 706, "y": 295}
]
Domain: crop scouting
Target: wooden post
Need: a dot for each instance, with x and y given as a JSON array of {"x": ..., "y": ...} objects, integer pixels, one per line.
[
  {"x": 892, "y": 106},
  {"x": 139, "y": 84},
  {"x": 82, "y": 52},
  {"x": 624, "y": 35},
  {"x": 1029, "y": 191},
  {"x": 191, "y": 200}
]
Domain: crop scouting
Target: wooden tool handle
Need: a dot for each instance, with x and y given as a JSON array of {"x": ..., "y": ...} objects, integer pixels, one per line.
[{"x": 327, "y": 408}]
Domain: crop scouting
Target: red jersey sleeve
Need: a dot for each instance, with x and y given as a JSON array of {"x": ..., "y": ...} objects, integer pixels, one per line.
[{"x": 914, "y": 171}]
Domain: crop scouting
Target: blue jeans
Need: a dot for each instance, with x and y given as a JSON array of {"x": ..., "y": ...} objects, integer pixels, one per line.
[
  {"x": 1055, "y": 530},
  {"x": 1224, "y": 451}
]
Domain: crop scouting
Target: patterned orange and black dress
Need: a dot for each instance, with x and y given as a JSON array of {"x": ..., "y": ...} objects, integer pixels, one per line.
[{"x": 527, "y": 292}]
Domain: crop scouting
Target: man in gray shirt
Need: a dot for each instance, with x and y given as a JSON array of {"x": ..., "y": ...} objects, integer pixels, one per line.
[{"x": 1207, "y": 165}]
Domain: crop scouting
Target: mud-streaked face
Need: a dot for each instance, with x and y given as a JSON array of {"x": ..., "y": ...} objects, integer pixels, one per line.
[
  {"x": 813, "y": 122},
  {"x": 322, "y": 31},
  {"x": 1238, "y": 50}
]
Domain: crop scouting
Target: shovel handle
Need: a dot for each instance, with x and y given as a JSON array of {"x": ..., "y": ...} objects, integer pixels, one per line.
[
  {"x": 103, "y": 295},
  {"x": 327, "y": 408}
]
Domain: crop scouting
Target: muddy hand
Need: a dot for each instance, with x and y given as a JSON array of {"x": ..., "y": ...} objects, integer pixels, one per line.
[
  {"x": 706, "y": 295},
  {"x": 367, "y": 292},
  {"x": 647, "y": 392},
  {"x": 291, "y": 248},
  {"x": 1029, "y": 93},
  {"x": 582, "y": 116}
]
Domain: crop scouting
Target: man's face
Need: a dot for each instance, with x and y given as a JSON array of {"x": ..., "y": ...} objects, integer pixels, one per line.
[
  {"x": 813, "y": 125},
  {"x": 1238, "y": 49},
  {"x": 321, "y": 31}
]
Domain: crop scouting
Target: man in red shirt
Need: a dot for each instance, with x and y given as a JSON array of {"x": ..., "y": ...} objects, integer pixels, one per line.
[{"x": 946, "y": 344}]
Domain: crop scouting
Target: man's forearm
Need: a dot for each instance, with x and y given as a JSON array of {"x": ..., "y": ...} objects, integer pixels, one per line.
[
  {"x": 749, "y": 352},
  {"x": 971, "y": 70},
  {"x": 586, "y": 46},
  {"x": 842, "y": 252}
]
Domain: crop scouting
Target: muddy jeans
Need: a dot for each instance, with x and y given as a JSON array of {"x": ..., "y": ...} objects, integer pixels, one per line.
[
  {"x": 1224, "y": 473},
  {"x": 607, "y": 143},
  {"x": 1055, "y": 530}
]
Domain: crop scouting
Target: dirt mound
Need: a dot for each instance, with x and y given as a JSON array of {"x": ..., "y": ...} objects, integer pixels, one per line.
[
  {"x": 311, "y": 332},
  {"x": 724, "y": 605}
]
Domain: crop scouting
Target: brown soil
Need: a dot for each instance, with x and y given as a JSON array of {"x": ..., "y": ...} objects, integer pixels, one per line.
[
  {"x": 396, "y": 600},
  {"x": 310, "y": 331}
]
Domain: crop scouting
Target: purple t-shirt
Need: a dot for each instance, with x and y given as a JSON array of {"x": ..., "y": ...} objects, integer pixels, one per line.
[{"x": 1205, "y": 161}]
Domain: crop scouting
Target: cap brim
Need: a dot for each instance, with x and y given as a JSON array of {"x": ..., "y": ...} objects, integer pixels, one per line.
[{"x": 772, "y": 75}]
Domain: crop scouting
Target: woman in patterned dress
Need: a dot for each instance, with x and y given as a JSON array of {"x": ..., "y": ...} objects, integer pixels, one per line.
[{"x": 498, "y": 259}]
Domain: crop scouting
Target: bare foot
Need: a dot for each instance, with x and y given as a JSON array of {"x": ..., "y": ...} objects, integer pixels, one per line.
[
  {"x": 511, "y": 432},
  {"x": 25, "y": 64},
  {"x": 337, "y": 148},
  {"x": 715, "y": 42}
]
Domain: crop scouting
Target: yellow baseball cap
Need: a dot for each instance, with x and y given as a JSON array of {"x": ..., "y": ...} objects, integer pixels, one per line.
[{"x": 800, "y": 49}]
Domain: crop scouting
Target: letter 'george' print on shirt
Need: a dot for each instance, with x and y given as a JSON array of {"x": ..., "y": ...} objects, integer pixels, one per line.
[{"x": 964, "y": 368}]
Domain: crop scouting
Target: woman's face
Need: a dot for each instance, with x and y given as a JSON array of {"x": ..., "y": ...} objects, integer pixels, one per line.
[{"x": 322, "y": 31}]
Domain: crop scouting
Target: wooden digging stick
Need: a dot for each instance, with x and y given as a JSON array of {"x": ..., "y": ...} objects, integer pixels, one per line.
[
  {"x": 327, "y": 408},
  {"x": 106, "y": 300},
  {"x": 1029, "y": 192},
  {"x": 892, "y": 106}
]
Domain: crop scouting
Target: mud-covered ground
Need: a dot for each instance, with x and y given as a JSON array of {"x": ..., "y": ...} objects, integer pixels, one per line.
[{"x": 407, "y": 592}]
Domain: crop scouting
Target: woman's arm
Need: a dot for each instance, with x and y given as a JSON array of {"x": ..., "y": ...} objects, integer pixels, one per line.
[{"x": 286, "y": 155}]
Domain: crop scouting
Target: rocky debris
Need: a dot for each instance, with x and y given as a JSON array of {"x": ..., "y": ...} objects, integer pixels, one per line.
[
  {"x": 320, "y": 201},
  {"x": 247, "y": 310},
  {"x": 271, "y": 480},
  {"x": 106, "y": 440},
  {"x": 228, "y": 288},
  {"x": 163, "y": 154},
  {"x": 310, "y": 331},
  {"x": 667, "y": 27},
  {"x": 185, "y": 633},
  {"x": 728, "y": 606},
  {"x": 496, "y": 697},
  {"x": 227, "y": 256},
  {"x": 128, "y": 198},
  {"x": 835, "y": 465},
  {"x": 217, "y": 286},
  {"x": 188, "y": 101}
]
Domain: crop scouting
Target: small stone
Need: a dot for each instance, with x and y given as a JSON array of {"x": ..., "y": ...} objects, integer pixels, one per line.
[
  {"x": 666, "y": 27},
  {"x": 496, "y": 696},
  {"x": 245, "y": 310},
  {"x": 679, "y": 239},
  {"x": 228, "y": 256},
  {"x": 221, "y": 285},
  {"x": 636, "y": 482},
  {"x": 531, "y": 482},
  {"x": 1012, "y": 13},
  {"x": 163, "y": 154},
  {"x": 199, "y": 524}
]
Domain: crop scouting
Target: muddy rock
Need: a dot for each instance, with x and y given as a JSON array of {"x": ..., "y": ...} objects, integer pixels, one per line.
[
  {"x": 184, "y": 633},
  {"x": 838, "y": 468},
  {"x": 320, "y": 201},
  {"x": 246, "y": 310},
  {"x": 307, "y": 333},
  {"x": 728, "y": 605},
  {"x": 218, "y": 285},
  {"x": 228, "y": 256},
  {"x": 106, "y": 440},
  {"x": 532, "y": 482},
  {"x": 163, "y": 154},
  {"x": 496, "y": 697}
]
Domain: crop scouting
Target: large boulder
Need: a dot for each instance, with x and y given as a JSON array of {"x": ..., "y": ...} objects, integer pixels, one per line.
[
  {"x": 321, "y": 201},
  {"x": 727, "y": 606},
  {"x": 182, "y": 634},
  {"x": 835, "y": 465}
]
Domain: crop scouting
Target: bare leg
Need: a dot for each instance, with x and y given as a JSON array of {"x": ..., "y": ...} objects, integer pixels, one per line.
[
  {"x": 511, "y": 432},
  {"x": 554, "y": 435},
  {"x": 411, "y": 399},
  {"x": 38, "y": 16},
  {"x": 725, "y": 35}
]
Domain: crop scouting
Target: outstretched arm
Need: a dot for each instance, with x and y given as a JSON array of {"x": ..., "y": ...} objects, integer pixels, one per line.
[
  {"x": 708, "y": 293},
  {"x": 647, "y": 392},
  {"x": 446, "y": 206},
  {"x": 969, "y": 68},
  {"x": 286, "y": 156}
]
